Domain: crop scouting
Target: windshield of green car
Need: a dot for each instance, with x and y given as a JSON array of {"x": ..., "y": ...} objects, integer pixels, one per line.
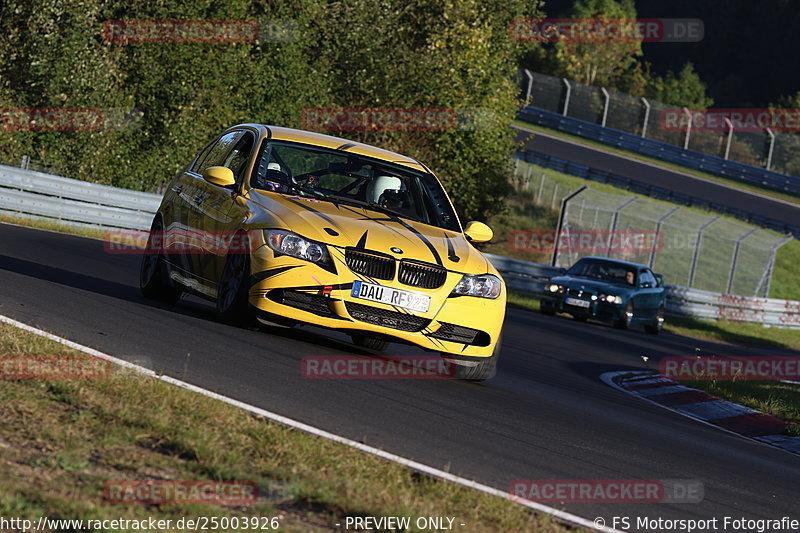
[
  {"x": 351, "y": 179},
  {"x": 604, "y": 270}
]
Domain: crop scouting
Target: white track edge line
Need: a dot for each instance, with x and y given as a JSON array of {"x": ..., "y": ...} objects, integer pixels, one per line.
[
  {"x": 608, "y": 379},
  {"x": 408, "y": 463}
]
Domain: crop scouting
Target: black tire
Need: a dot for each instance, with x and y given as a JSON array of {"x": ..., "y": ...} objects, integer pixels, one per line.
[
  {"x": 546, "y": 309},
  {"x": 580, "y": 318},
  {"x": 370, "y": 343},
  {"x": 233, "y": 304},
  {"x": 658, "y": 322},
  {"x": 624, "y": 321},
  {"x": 153, "y": 276},
  {"x": 482, "y": 371}
]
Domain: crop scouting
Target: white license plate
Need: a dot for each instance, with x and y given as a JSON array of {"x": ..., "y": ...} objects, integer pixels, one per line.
[
  {"x": 576, "y": 302},
  {"x": 387, "y": 295}
]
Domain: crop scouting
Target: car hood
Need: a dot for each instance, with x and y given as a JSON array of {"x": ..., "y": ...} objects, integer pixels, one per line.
[
  {"x": 346, "y": 225},
  {"x": 575, "y": 282}
]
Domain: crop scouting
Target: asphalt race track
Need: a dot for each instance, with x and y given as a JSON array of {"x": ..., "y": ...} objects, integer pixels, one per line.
[
  {"x": 545, "y": 416},
  {"x": 661, "y": 177}
]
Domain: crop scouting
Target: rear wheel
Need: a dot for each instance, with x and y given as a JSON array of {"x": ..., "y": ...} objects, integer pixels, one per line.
[
  {"x": 153, "y": 276},
  {"x": 580, "y": 318},
  {"x": 233, "y": 305},
  {"x": 483, "y": 370},
  {"x": 624, "y": 322},
  {"x": 657, "y": 324},
  {"x": 370, "y": 343}
]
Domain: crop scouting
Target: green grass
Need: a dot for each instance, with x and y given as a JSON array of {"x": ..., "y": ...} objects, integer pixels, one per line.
[
  {"x": 781, "y": 400},
  {"x": 62, "y": 440},
  {"x": 734, "y": 332},
  {"x": 671, "y": 166}
]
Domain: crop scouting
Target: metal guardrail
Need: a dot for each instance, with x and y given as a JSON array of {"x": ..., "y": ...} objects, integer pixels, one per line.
[
  {"x": 35, "y": 194},
  {"x": 662, "y": 193},
  {"x": 664, "y": 151},
  {"x": 681, "y": 301},
  {"x": 27, "y": 193}
]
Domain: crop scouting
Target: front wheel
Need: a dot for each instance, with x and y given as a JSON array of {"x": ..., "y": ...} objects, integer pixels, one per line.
[
  {"x": 657, "y": 324},
  {"x": 483, "y": 370},
  {"x": 624, "y": 322},
  {"x": 233, "y": 305}
]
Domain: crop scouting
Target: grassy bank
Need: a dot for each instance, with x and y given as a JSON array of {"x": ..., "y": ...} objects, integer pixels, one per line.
[
  {"x": 62, "y": 441},
  {"x": 653, "y": 161}
]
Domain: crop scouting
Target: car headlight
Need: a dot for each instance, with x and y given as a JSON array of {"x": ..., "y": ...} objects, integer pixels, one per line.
[
  {"x": 554, "y": 288},
  {"x": 484, "y": 286},
  {"x": 610, "y": 298},
  {"x": 288, "y": 243}
]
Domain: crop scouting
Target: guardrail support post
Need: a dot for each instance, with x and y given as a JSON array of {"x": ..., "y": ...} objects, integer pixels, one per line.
[
  {"x": 566, "y": 96},
  {"x": 605, "y": 105},
  {"x": 564, "y": 203},
  {"x": 646, "y": 116},
  {"x": 696, "y": 253},
  {"x": 730, "y": 137},
  {"x": 735, "y": 258},
  {"x": 771, "y": 147},
  {"x": 26, "y": 161},
  {"x": 661, "y": 219}
]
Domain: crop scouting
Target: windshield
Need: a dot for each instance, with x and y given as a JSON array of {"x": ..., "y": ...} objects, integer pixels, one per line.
[
  {"x": 342, "y": 177},
  {"x": 604, "y": 270}
]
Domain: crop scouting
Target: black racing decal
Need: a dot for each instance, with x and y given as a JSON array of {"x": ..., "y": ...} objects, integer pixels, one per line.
[
  {"x": 336, "y": 287},
  {"x": 451, "y": 251},
  {"x": 264, "y": 274},
  {"x": 332, "y": 232},
  {"x": 346, "y": 146},
  {"x": 373, "y": 219},
  {"x": 307, "y": 207},
  {"x": 362, "y": 242}
]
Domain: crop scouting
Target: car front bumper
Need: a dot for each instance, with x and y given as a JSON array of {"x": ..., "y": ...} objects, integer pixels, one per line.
[
  {"x": 596, "y": 309},
  {"x": 284, "y": 287}
]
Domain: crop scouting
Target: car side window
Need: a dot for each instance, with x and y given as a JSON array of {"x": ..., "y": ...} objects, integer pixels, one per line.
[
  {"x": 202, "y": 155},
  {"x": 216, "y": 156},
  {"x": 646, "y": 278},
  {"x": 238, "y": 157}
]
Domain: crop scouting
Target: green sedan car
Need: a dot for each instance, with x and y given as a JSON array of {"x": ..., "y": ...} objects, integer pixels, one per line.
[{"x": 612, "y": 290}]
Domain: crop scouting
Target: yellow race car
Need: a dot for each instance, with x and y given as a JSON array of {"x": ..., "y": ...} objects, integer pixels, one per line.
[{"x": 284, "y": 226}]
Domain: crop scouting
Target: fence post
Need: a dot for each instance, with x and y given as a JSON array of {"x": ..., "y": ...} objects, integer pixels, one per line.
[
  {"x": 26, "y": 161},
  {"x": 652, "y": 259},
  {"x": 539, "y": 192},
  {"x": 646, "y": 115},
  {"x": 696, "y": 254},
  {"x": 555, "y": 193},
  {"x": 614, "y": 218},
  {"x": 605, "y": 105},
  {"x": 566, "y": 96},
  {"x": 768, "y": 271},
  {"x": 730, "y": 137},
  {"x": 564, "y": 203},
  {"x": 688, "y": 129},
  {"x": 530, "y": 87},
  {"x": 771, "y": 147},
  {"x": 735, "y": 258}
]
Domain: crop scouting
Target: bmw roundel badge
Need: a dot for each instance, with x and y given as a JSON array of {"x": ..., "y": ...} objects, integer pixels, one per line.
[{"x": 396, "y": 250}]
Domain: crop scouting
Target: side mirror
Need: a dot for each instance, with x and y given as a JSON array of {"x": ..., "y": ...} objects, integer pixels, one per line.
[
  {"x": 659, "y": 279},
  {"x": 478, "y": 232},
  {"x": 219, "y": 176},
  {"x": 646, "y": 285}
]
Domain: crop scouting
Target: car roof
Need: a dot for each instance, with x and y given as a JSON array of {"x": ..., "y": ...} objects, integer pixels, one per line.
[
  {"x": 336, "y": 143},
  {"x": 618, "y": 261}
]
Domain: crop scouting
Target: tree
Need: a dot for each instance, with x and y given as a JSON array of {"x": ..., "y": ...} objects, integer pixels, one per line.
[{"x": 684, "y": 89}]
